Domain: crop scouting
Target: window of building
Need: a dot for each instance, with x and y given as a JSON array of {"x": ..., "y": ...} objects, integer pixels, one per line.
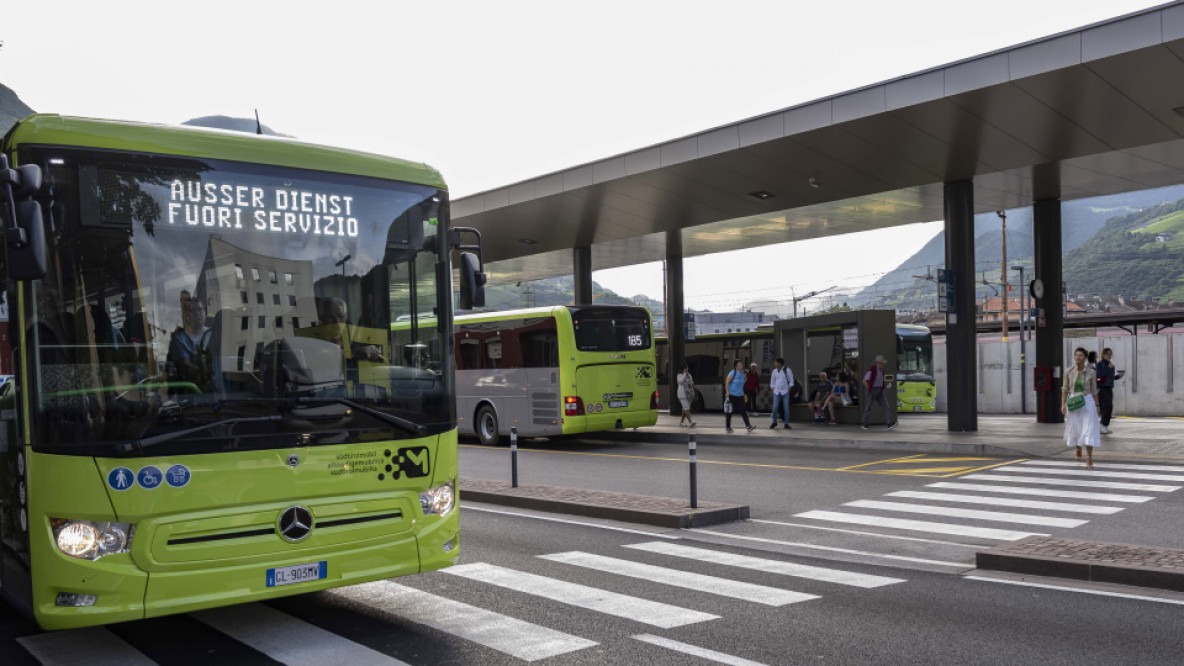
[
  {"x": 246, "y": 323},
  {"x": 271, "y": 277},
  {"x": 242, "y": 353},
  {"x": 262, "y": 323},
  {"x": 246, "y": 299},
  {"x": 279, "y": 322},
  {"x": 288, "y": 278},
  {"x": 255, "y": 274},
  {"x": 259, "y": 297},
  {"x": 238, "y": 271},
  {"x": 275, "y": 299},
  {"x": 292, "y": 300}
]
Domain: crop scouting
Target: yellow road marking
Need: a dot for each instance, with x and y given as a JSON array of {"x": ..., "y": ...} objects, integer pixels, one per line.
[
  {"x": 880, "y": 462},
  {"x": 926, "y": 471},
  {"x": 726, "y": 462},
  {"x": 981, "y": 468}
]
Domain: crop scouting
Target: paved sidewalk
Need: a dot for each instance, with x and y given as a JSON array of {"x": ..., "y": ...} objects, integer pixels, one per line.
[
  {"x": 643, "y": 509},
  {"x": 1097, "y": 562},
  {"x": 998, "y": 435}
]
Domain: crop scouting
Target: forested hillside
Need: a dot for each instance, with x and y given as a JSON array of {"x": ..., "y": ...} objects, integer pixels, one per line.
[{"x": 1125, "y": 259}]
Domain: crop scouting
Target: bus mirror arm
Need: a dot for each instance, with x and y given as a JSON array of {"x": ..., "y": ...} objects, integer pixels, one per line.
[
  {"x": 472, "y": 269},
  {"x": 25, "y": 234}
]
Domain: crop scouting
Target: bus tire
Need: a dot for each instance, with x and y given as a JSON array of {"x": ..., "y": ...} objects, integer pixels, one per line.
[{"x": 486, "y": 425}]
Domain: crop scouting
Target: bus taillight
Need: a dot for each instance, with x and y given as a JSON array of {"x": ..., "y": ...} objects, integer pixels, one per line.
[
  {"x": 654, "y": 400},
  {"x": 573, "y": 406}
]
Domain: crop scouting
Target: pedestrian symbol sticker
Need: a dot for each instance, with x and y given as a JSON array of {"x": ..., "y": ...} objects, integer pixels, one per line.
[
  {"x": 149, "y": 477},
  {"x": 120, "y": 478},
  {"x": 177, "y": 476}
]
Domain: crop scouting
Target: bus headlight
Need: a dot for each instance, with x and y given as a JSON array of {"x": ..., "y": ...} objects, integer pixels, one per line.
[
  {"x": 438, "y": 500},
  {"x": 90, "y": 540}
]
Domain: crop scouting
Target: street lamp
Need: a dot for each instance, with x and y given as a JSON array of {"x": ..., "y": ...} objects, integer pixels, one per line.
[
  {"x": 1023, "y": 344},
  {"x": 342, "y": 263}
]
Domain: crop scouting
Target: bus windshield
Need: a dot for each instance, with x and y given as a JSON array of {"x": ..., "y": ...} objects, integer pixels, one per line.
[
  {"x": 196, "y": 306},
  {"x": 915, "y": 363},
  {"x": 611, "y": 329}
]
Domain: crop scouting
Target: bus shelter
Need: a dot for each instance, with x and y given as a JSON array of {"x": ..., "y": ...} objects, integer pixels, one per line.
[{"x": 840, "y": 343}]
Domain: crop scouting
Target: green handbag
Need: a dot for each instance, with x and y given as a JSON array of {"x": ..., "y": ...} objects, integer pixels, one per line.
[{"x": 1077, "y": 400}]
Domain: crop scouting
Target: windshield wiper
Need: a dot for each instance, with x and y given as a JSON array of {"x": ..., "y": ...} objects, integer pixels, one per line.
[
  {"x": 149, "y": 442},
  {"x": 408, "y": 426}
]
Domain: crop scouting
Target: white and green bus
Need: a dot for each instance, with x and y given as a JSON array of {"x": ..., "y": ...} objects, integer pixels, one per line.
[
  {"x": 209, "y": 405},
  {"x": 555, "y": 371}
]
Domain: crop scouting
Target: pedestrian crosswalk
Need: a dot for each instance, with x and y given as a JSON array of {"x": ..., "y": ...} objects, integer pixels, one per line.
[
  {"x": 1012, "y": 487},
  {"x": 689, "y": 597}
]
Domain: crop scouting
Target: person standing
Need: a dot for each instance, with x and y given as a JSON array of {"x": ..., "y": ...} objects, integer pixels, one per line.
[
  {"x": 780, "y": 382},
  {"x": 1079, "y": 391},
  {"x": 734, "y": 388},
  {"x": 1105, "y": 372},
  {"x": 873, "y": 382},
  {"x": 686, "y": 392},
  {"x": 752, "y": 386}
]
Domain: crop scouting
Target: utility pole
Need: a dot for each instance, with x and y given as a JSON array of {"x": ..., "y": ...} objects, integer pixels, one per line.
[
  {"x": 809, "y": 295},
  {"x": 1023, "y": 345},
  {"x": 1003, "y": 271}
]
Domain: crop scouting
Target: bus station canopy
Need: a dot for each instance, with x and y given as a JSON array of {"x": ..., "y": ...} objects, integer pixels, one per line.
[{"x": 1094, "y": 111}]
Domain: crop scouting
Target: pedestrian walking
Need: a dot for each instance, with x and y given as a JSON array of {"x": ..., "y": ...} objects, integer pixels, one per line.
[
  {"x": 780, "y": 382},
  {"x": 873, "y": 383},
  {"x": 734, "y": 390},
  {"x": 752, "y": 386},
  {"x": 1105, "y": 372},
  {"x": 686, "y": 392},
  {"x": 1079, "y": 392}
]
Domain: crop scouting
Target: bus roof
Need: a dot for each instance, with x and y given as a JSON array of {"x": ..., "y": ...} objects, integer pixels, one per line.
[
  {"x": 533, "y": 312},
  {"x": 201, "y": 142}
]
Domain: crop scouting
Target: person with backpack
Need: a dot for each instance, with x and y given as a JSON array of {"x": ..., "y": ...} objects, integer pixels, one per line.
[
  {"x": 752, "y": 386},
  {"x": 780, "y": 382},
  {"x": 734, "y": 390},
  {"x": 873, "y": 382}
]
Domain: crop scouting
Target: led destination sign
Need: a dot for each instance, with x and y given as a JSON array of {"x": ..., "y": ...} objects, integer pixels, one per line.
[{"x": 261, "y": 208}]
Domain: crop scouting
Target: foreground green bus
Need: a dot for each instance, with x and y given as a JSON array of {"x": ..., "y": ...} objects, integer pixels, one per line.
[
  {"x": 555, "y": 371},
  {"x": 209, "y": 406}
]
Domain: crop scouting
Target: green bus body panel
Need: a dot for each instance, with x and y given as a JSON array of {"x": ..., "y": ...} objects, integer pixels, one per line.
[
  {"x": 916, "y": 396},
  {"x": 210, "y": 542},
  {"x": 52, "y": 129}
]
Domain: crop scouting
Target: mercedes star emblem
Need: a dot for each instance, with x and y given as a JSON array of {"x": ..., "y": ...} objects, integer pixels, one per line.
[
  {"x": 295, "y": 523},
  {"x": 293, "y": 460}
]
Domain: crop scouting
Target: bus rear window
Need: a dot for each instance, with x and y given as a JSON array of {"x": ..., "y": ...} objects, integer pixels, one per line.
[{"x": 611, "y": 329}]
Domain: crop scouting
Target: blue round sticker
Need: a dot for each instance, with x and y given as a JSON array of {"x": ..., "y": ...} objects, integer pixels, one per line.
[
  {"x": 177, "y": 476},
  {"x": 121, "y": 478},
  {"x": 149, "y": 477}
]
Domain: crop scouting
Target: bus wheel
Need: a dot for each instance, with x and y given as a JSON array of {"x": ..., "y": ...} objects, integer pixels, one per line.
[{"x": 487, "y": 425}]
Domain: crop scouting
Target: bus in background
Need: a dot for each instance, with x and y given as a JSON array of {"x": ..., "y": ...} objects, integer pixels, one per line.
[
  {"x": 710, "y": 358},
  {"x": 209, "y": 406},
  {"x": 553, "y": 371},
  {"x": 916, "y": 388}
]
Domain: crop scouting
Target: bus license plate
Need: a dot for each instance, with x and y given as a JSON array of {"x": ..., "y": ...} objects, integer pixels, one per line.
[
  {"x": 297, "y": 573},
  {"x": 619, "y": 403}
]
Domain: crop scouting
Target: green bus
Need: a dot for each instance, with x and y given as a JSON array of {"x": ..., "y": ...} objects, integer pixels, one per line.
[
  {"x": 209, "y": 406},
  {"x": 916, "y": 387},
  {"x": 555, "y": 371}
]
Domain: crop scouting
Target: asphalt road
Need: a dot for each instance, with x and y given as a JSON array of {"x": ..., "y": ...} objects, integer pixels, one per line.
[{"x": 781, "y": 589}]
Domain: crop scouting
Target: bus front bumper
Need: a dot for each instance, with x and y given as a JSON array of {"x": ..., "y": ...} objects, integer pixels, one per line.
[{"x": 123, "y": 592}]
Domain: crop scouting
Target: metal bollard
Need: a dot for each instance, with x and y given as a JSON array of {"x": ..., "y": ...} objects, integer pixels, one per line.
[
  {"x": 513, "y": 457},
  {"x": 694, "y": 479}
]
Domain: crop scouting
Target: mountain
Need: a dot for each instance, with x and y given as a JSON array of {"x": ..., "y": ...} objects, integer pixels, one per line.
[
  {"x": 228, "y": 123},
  {"x": 1081, "y": 220},
  {"x": 1139, "y": 256},
  {"x": 12, "y": 108}
]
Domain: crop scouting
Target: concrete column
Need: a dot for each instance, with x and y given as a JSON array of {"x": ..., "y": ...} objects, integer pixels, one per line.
[
  {"x": 582, "y": 271},
  {"x": 1050, "y": 352},
  {"x": 675, "y": 322},
  {"x": 962, "y": 368}
]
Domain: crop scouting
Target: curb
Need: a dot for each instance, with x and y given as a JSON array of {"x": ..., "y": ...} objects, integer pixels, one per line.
[
  {"x": 619, "y": 436},
  {"x": 682, "y": 518},
  {"x": 999, "y": 559}
]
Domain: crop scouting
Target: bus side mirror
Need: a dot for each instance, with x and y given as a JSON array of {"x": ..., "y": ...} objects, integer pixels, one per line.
[
  {"x": 472, "y": 282},
  {"x": 24, "y": 235}
]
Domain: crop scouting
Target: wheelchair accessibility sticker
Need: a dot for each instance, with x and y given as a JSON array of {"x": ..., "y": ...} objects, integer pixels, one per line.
[{"x": 149, "y": 477}]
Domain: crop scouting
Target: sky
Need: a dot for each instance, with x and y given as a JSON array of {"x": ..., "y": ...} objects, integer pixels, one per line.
[{"x": 493, "y": 93}]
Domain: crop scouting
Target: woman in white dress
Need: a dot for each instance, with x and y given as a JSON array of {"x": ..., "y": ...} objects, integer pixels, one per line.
[
  {"x": 1079, "y": 404},
  {"x": 686, "y": 391}
]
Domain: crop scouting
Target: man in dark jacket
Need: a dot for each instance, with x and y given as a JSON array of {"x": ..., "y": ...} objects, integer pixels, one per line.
[{"x": 1106, "y": 389}]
